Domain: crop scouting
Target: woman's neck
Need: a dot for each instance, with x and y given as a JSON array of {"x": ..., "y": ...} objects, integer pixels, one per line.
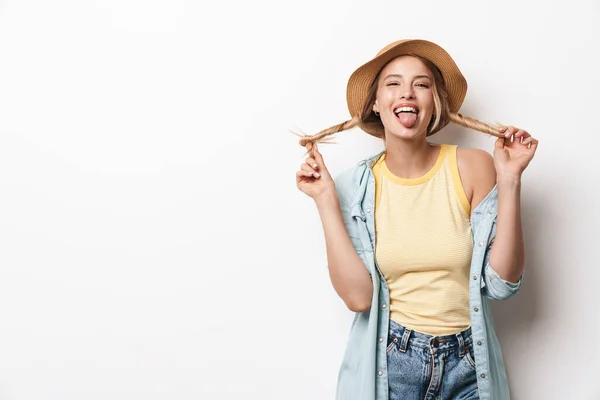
[{"x": 410, "y": 158}]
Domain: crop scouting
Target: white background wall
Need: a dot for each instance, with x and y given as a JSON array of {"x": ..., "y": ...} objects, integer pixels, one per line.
[{"x": 153, "y": 244}]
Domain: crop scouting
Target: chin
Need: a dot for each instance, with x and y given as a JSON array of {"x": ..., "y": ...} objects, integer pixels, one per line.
[{"x": 407, "y": 133}]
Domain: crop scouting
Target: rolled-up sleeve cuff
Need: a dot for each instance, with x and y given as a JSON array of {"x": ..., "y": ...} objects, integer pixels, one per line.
[{"x": 497, "y": 288}]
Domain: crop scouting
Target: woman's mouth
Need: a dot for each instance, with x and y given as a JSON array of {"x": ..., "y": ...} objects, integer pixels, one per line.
[{"x": 407, "y": 115}]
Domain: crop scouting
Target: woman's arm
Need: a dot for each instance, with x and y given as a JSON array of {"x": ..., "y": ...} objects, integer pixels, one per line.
[
  {"x": 348, "y": 273},
  {"x": 507, "y": 255},
  {"x": 511, "y": 156},
  {"x": 480, "y": 172}
]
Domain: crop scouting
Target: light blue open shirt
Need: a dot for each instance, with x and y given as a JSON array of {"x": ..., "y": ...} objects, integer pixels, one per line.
[{"x": 363, "y": 373}]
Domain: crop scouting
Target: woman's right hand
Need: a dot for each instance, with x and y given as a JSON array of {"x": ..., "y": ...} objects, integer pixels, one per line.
[{"x": 313, "y": 178}]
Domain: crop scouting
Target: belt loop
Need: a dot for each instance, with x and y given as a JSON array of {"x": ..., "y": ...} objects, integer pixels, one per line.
[
  {"x": 461, "y": 345},
  {"x": 404, "y": 341}
]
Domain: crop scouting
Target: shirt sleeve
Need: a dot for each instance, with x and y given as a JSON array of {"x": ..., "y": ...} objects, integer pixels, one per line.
[
  {"x": 345, "y": 192},
  {"x": 493, "y": 285},
  {"x": 342, "y": 186}
]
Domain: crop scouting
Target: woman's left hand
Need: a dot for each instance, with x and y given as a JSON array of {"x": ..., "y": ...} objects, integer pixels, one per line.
[{"x": 511, "y": 157}]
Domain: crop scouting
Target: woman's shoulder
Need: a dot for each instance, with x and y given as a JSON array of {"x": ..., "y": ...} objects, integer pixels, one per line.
[
  {"x": 477, "y": 172},
  {"x": 348, "y": 182},
  {"x": 475, "y": 158}
]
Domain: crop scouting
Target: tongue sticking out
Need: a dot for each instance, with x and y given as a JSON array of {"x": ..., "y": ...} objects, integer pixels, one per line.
[{"x": 407, "y": 119}]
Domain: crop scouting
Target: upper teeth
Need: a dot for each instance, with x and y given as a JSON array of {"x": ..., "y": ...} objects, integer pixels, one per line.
[{"x": 406, "y": 109}]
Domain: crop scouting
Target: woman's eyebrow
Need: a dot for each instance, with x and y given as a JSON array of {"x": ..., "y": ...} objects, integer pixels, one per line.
[{"x": 400, "y": 76}]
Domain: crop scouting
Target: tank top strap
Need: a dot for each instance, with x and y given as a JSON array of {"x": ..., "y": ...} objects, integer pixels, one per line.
[{"x": 452, "y": 163}]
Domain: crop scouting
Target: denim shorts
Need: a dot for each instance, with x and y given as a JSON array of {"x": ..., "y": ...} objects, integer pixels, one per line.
[{"x": 425, "y": 367}]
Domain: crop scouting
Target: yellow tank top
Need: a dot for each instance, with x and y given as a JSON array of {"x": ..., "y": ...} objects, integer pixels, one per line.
[{"x": 424, "y": 245}]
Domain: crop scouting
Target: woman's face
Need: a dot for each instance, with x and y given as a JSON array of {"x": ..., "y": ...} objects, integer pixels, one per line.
[{"x": 404, "y": 98}]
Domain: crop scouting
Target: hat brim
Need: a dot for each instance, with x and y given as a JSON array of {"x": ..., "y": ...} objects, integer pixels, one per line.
[{"x": 362, "y": 79}]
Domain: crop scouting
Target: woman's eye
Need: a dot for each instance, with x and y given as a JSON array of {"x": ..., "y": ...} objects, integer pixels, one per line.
[
  {"x": 392, "y": 84},
  {"x": 422, "y": 85}
]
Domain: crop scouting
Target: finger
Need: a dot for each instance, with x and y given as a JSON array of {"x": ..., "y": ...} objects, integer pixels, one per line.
[
  {"x": 499, "y": 143},
  {"x": 309, "y": 170},
  {"x": 304, "y": 175},
  {"x": 311, "y": 161},
  {"x": 528, "y": 140},
  {"x": 510, "y": 133},
  {"x": 521, "y": 134},
  {"x": 318, "y": 157},
  {"x": 309, "y": 146},
  {"x": 534, "y": 142},
  {"x": 301, "y": 176},
  {"x": 511, "y": 130}
]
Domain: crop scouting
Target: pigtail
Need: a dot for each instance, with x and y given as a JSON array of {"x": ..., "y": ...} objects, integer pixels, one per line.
[
  {"x": 476, "y": 125},
  {"x": 318, "y": 137}
]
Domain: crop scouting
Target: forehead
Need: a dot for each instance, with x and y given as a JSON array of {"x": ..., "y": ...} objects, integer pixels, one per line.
[{"x": 405, "y": 65}]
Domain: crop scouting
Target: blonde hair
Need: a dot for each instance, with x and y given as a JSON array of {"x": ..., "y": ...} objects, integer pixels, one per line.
[{"x": 369, "y": 121}]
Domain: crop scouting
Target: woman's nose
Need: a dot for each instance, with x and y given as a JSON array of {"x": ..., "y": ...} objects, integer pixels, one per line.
[{"x": 407, "y": 93}]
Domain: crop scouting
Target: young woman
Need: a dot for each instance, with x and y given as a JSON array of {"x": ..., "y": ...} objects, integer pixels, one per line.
[{"x": 419, "y": 236}]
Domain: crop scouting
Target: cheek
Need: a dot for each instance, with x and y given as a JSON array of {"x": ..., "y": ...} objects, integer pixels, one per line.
[
  {"x": 427, "y": 100},
  {"x": 385, "y": 97}
]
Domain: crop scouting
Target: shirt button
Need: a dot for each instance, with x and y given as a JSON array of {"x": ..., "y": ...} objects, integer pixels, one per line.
[
  {"x": 395, "y": 340},
  {"x": 480, "y": 244},
  {"x": 479, "y": 343},
  {"x": 489, "y": 213},
  {"x": 380, "y": 373},
  {"x": 380, "y": 339},
  {"x": 368, "y": 210},
  {"x": 383, "y": 306},
  {"x": 483, "y": 376},
  {"x": 476, "y": 309},
  {"x": 474, "y": 277}
]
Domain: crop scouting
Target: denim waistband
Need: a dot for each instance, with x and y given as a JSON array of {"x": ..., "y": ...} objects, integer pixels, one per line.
[{"x": 408, "y": 337}]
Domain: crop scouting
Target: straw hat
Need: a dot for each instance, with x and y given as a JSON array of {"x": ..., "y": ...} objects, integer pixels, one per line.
[{"x": 360, "y": 81}]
